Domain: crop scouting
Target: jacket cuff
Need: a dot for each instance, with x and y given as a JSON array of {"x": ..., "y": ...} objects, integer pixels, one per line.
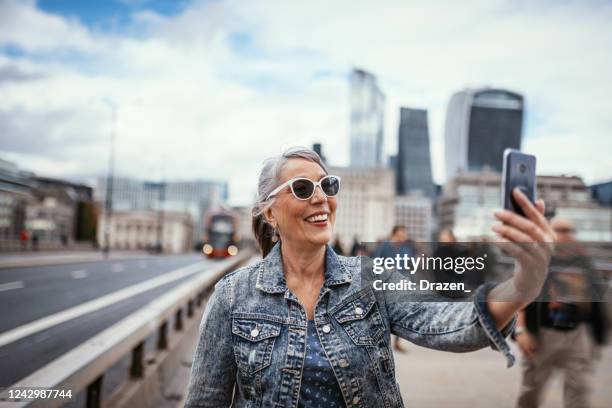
[{"x": 496, "y": 337}]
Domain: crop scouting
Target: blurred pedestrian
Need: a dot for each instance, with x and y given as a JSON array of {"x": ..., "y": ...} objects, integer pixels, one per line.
[
  {"x": 399, "y": 243},
  {"x": 338, "y": 246},
  {"x": 358, "y": 248},
  {"x": 562, "y": 330},
  {"x": 35, "y": 241},
  {"x": 24, "y": 238},
  {"x": 448, "y": 247}
]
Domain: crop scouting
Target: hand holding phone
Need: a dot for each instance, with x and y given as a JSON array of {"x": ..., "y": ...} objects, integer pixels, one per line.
[
  {"x": 525, "y": 233},
  {"x": 518, "y": 172}
]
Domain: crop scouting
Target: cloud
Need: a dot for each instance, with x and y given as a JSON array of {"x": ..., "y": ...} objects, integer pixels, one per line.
[
  {"x": 214, "y": 90},
  {"x": 43, "y": 32},
  {"x": 13, "y": 73}
]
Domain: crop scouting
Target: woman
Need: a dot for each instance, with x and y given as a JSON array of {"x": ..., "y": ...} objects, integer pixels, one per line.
[
  {"x": 448, "y": 247},
  {"x": 297, "y": 329}
]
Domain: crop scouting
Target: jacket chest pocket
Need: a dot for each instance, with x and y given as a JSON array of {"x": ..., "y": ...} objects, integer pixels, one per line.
[
  {"x": 362, "y": 320},
  {"x": 253, "y": 343}
]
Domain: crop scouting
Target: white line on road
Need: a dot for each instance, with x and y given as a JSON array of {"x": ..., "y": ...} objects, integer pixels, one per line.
[
  {"x": 97, "y": 304},
  {"x": 11, "y": 285},
  {"x": 117, "y": 267},
  {"x": 79, "y": 274}
]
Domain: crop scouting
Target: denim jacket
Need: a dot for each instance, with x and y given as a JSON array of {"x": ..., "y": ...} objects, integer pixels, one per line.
[{"x": 253, "y": 336}]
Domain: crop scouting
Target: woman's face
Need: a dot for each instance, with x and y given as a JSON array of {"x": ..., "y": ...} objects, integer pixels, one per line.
[
  {"x": 293, "y": 217},
  {"x": 446, "y": 236}
]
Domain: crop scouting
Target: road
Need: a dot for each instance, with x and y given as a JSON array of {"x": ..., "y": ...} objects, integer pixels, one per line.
[{"x": 33, "y": 294}]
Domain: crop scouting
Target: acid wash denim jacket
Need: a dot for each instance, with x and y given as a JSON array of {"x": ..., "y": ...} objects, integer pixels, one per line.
[{"x": 252, "y": 338}]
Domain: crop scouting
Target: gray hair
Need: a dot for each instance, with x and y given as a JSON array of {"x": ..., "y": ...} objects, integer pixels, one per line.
[{"x": 269, "y": 179}]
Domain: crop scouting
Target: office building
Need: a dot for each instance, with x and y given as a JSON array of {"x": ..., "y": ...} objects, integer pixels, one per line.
[
  {"x": 480, "y": 124},
  {"x": 49, "y": 213},
  {"x": 413, "y": 163},
  {"x": 365, "y": 204},
  {"x": 367, "y": 104},
  {"x": 602, "y": 193},
  {"x": 414, "y": 211},
  {"x": 15, "y": 192},
  {"x": 468, "y": 201},
  {"x": 193, "y": 197}
]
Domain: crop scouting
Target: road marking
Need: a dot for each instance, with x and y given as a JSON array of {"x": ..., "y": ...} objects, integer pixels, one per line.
[
  {"x": 11, "y": 285},
  {"x": 99, "y": 303},
  {"x": 117, "y": 267},
  {"x": 79, "y": 274}
]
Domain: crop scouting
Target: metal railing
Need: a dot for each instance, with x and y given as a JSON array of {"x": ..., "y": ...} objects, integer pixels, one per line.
[{"x": 83, "y": 368}]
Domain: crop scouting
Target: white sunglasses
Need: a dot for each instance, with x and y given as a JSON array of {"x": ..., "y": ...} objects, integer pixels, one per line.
[{"x": 304, "y": 188}]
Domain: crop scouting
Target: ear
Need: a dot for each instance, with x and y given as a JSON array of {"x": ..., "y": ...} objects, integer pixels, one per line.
[{"x": 269, "y": 217}]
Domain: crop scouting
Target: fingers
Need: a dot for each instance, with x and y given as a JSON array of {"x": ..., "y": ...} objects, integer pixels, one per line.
[
  {"x": 514, "y": 250},
  {"x": 531, "y": 212},
  {"x": 533, "y": 228},
  {"x": 517, "y": 228},
  {"x": 541, "y": 206}
]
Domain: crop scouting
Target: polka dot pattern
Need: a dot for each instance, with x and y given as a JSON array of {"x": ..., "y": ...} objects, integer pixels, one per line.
[{"x": 319, "y": 386}]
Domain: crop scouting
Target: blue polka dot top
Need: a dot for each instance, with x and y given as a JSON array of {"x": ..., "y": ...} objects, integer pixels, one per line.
[{"x": 319, "y": 386}]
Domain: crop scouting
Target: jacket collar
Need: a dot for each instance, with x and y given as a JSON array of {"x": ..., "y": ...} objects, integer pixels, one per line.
[{"x": 271, "y": 277}]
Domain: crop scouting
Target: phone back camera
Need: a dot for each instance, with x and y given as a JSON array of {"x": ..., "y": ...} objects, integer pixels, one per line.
[{"x": 522, "y": 168}]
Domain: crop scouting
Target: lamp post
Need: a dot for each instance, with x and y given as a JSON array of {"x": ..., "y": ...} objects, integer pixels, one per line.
[
  {"x": 108, "y": 208},
  {"x": 160, "y": 217}
]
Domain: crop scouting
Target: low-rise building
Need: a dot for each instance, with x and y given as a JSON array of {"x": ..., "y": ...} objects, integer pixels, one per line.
[
  {"x": 468, "y": 201},
  {"x": 15, "y": 192},
  {"x": 140, "y": 230},
  {"x": 365, "y": 204}
]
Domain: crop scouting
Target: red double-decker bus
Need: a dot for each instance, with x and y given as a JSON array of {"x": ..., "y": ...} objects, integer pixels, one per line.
[{"x": 220, "y": 233}]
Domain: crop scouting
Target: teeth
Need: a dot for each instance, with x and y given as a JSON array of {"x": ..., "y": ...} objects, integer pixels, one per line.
[{"x": 316, "y": 218}]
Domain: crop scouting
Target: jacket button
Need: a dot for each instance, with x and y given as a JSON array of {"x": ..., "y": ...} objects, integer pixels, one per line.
[
  {"x": 358, "y": 310},
  {"x": 254, "y": 333},
  {"x": 326, "y": 328},
  {"x": 343, "y": 363}
]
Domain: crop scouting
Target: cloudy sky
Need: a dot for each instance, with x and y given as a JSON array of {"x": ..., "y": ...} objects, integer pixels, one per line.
[{"x": 209, "y": 89}]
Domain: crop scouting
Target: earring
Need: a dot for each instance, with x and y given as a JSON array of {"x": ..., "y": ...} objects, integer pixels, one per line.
[{"x": 275, "y": 236}]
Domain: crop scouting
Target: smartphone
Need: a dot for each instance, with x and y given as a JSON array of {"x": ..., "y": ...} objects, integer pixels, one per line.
[{"x": 519, "y": 170}]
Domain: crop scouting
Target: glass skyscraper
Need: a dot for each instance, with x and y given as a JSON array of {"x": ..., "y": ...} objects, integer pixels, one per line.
[
  {"x": 413, "y": 163},
  {"x": 480, "y": 124},
  {"x": 367, "y": 117}
]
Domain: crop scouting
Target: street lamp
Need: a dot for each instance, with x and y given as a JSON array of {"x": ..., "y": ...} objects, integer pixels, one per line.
[{"x": 108, "y": 208}]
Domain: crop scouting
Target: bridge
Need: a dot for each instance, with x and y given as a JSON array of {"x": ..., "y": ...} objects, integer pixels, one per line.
[{"x": 121, "y": 331}]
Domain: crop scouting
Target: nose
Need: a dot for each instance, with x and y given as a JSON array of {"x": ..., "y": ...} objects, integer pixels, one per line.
[{"x": 318, "y": 195}]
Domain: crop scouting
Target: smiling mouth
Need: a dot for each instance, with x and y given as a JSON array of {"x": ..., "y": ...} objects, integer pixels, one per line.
[{"x": 317, "y": 219}]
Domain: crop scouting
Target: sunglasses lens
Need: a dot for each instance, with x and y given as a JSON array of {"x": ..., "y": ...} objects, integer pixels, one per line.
[
  {"x": 302, "y": 188},
  {"x": 330, "y": 186}
]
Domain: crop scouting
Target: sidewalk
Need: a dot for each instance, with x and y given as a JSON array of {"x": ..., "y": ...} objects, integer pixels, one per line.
[
  {"x": 42, "y": 258},
  {"x": 430, "y": 378}
]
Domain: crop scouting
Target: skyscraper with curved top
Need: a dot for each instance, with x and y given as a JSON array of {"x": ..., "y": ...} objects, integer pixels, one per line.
[{"x": 480, "y": 124}]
